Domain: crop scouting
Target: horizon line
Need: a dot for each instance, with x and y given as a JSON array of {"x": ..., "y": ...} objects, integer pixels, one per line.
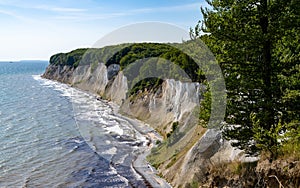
[{"x": 5, "y": 61}]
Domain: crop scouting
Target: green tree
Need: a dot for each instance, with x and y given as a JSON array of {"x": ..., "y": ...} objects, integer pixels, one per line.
[{"x": 256, "y": 43}]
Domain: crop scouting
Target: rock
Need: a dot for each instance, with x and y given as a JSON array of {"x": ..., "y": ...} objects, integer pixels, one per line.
[
  {"x": 112, "y": 70},
  {"x": 174, "y": 101}
]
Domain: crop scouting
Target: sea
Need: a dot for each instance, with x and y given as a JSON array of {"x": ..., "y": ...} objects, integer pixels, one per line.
[{"x": 52, "y": 135}]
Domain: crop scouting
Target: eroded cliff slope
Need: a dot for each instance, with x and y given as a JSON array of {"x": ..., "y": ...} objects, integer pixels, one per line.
[{"x": 172, "y": 109}]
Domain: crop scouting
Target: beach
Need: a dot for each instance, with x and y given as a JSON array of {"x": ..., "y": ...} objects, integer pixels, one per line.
[
  {"x": 98, "y": 121},
  {"x": 140, "y": 163}
]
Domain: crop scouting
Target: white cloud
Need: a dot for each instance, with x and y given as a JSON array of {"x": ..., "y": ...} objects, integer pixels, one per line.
[
  {"x": 177, "y": 8},
  {"x": 59, "y": 9},
  {"x": 15, "y": 15},
  {"x": 89, "y": 17},
  {"x": 39, "y": 30},
  {"x": 9, "y": 13},
  {"x": 84, "y": 15}
]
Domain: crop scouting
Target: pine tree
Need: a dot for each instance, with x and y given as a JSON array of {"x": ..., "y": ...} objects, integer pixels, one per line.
[{"x": 256, "y": 43}]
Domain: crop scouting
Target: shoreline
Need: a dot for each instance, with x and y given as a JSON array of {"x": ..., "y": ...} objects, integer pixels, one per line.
[{"x": 140, "y": 164}]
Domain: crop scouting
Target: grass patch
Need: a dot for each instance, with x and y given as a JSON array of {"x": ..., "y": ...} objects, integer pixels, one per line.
[
  {"x": 194, "y": 184},
  {"x": 233, "y": 168},
  {"x": 290, "y": 150}
]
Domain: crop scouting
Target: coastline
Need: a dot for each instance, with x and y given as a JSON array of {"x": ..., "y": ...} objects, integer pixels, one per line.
[
  {"x": 140, "y": 164},
  {"x": 165, "y": 109}
]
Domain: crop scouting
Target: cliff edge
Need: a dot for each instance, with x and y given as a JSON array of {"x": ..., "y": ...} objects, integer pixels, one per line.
[{"x": 172, "y": 105}]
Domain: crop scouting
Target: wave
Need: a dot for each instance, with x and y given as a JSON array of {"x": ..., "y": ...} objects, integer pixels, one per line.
[{"x": 108, "y": 135}]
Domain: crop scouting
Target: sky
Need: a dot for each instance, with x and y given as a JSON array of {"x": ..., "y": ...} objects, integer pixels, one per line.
[{"x": 37, "y": 29}]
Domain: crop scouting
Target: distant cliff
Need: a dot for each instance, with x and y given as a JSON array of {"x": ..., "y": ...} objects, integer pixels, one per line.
[{"x": 171, "y": 107}]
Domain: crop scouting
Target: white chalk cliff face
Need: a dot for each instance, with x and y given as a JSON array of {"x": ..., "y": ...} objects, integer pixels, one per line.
[{"x": 174, "y": 101}]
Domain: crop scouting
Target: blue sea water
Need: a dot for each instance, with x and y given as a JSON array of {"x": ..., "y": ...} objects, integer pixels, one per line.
[{"x": 52, "y": 135}]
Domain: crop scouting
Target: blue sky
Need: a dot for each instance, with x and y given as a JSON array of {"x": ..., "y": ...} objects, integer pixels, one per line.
[{"x": 36, "y": 29}]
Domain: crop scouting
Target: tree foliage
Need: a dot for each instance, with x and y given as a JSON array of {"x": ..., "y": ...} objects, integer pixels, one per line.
[
  {"x": 71, "y": 59},
  {"x": 85, "y": 56},
  {"x": 138, "y": 51},
  {"x": 126, "y": 54},
  {"x": 256, "y": 43}
]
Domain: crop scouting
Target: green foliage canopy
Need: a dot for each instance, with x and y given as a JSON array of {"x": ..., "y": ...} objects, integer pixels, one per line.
[
  {"x": 127, "y": 54},
  {"x": 256, "y": 43}
]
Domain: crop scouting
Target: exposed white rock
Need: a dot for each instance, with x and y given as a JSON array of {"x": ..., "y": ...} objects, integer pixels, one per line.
[{"x": 175, "y": 101}]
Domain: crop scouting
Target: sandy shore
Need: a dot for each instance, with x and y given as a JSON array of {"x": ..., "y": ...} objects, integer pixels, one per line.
[{"x": 140, "y": 164}]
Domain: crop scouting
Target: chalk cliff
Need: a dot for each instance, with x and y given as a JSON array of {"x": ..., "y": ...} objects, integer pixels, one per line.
[{"x": 187, "y": 151}]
